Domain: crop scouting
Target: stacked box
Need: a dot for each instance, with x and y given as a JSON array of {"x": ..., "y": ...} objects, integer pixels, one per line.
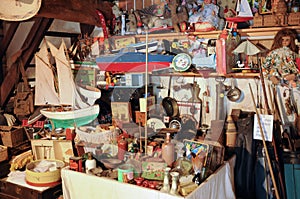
[
  {"x": 12, "y": 136},
  {"x": 269, "y": 20},
  {"x": 258, "y": 21},
  {"x": 294, "y": 18},
  {"x": 3, "y": 153}
]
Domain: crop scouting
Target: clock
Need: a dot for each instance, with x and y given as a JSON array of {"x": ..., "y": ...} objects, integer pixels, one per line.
[{"x": 181, "y": 62}]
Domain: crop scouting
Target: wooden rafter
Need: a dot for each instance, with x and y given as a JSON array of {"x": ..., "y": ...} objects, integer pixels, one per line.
[
  {"x": 24, "y": 56},
  {"x": 82, "y": 11}
]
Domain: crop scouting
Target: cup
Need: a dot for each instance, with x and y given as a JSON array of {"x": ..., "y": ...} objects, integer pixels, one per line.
[{"x": 125, "y": 173}]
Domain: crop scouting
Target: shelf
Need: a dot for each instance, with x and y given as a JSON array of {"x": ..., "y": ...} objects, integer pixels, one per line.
[{"x": 250, "y": 33}]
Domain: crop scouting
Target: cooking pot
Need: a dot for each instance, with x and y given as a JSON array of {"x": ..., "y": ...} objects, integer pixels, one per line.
[
  {"x": 170, "y": 106},
  {"x": 234, "y": 93}
]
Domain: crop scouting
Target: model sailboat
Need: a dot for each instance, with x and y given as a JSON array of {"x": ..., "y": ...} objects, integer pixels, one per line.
[
  {"x": 243, "y": 12},
  {"x": 55, "y": 87}
]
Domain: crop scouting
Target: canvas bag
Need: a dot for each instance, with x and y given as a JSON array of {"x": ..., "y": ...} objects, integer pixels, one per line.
[{"x": 23, "y": 101}]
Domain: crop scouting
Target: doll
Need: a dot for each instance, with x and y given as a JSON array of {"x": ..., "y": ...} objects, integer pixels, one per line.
[
  {"x": 208, "y": 13},
  {"x": 280, "y": 65}
]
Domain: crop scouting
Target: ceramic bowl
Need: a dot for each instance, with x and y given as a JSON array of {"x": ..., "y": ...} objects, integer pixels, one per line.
[{"x": 111, "y": 163}]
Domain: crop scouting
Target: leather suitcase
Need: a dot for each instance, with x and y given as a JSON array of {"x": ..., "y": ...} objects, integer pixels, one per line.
[{"x": 9, "y": 190}]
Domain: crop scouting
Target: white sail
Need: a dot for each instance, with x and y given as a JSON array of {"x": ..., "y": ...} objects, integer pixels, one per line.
[
  {"x": 243, "y": 9},
  {"x": 45, "y": 92},
  {"x": 81, "y": 112},
  {"x": 65, "y": 78},
  {"x": 68, "y": 93}
]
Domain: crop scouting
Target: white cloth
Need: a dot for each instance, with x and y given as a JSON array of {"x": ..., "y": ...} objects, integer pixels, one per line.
[
  {"x": 78, "y": 185},
  {"x": 10, "y": 119}
]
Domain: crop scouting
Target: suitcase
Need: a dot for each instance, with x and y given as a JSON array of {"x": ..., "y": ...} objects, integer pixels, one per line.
[
  {"x": 9, "y": 190},
  {"x": 292, "y": 174}
]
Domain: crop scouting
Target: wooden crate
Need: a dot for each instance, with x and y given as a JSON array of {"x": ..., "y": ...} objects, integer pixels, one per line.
[
  {"x": 274, "y": 20},
  {"x": 12, "y": 136},
  {"x": 294, "y": 18},
  {"x": 18, "y": 190},
  {"x": 258, "y": 20},
  {"x": 3, "y": 153},
  {"x": 269, "y": 20}
]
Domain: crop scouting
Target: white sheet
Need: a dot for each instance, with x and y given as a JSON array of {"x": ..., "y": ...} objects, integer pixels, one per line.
[{"x": 78, "y": 185}]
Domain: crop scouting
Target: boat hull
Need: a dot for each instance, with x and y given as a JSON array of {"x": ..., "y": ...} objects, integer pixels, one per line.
[
  {"x": 67, "y": 119},
  {"x": 133, "y": 62},
  {"x": 90, "y": 95}
]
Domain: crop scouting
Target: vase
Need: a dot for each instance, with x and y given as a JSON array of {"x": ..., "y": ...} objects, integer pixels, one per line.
[
  {"x": 174, "y": 186},
  {"x": 166, "y": 183},
  {"x": 168, "y": 151}
]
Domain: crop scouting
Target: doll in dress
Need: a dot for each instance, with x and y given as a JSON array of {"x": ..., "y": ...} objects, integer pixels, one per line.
[
  {"x": 207, "y": 14},
  {"x": 280, "y": 64}
]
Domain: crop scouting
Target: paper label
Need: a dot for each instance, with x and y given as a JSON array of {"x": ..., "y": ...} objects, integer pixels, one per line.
[{"x": 267, "y": 127}]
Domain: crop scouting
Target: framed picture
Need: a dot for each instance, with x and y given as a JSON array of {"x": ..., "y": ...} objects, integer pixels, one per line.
[
  {"x": 121, "y": 111},
  {"x": 197, "y": 148}
]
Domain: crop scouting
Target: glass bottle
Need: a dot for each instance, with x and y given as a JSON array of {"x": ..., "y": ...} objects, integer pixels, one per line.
[
  {"x": 175, "y": 176},
  {"x": 183, "y": 165},
  {"x": 166, "y": 183},
  {"x": 122, "y": 148},
  {"x": 168, "y": 150},
  {"x": 90, "y": 163}
]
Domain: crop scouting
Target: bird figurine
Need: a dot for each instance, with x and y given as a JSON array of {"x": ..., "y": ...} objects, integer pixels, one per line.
[{"x": 239, "y": 64}]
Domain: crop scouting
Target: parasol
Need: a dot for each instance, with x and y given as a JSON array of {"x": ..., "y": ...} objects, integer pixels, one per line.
[{"x": 248, "y": 48}]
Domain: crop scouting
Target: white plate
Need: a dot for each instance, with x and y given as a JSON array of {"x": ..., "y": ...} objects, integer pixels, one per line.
[{"x": 155, "y": 124}]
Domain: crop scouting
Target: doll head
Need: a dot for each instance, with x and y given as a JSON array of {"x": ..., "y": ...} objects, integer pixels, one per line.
[
  {"x": 207, "y": 1},
  {"x": 285, "y": 37}
]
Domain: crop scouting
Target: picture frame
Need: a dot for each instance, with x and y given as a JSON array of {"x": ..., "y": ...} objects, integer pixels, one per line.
[{"x": 121, "y": 111}]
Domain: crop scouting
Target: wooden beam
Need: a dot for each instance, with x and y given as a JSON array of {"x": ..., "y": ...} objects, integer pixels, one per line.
[
  {"x": 82, "y": 11},
  {"x": 8, "y": 36},
  {"x": 27, "y": 51}
]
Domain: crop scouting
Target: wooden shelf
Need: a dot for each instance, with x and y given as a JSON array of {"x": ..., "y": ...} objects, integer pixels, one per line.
[{"x": 251, "y": 33}]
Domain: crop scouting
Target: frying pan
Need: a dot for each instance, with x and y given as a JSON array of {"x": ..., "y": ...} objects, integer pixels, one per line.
[
  {"x": 170, "y": 106},
  {"x": 234, "y": 93}
]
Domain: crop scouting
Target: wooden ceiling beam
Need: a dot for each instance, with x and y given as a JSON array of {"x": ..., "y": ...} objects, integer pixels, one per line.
[
  {"x": 24, "y": 56},
  {"x": 82, "y": 11},
  {"x": 8, "y": 36}
]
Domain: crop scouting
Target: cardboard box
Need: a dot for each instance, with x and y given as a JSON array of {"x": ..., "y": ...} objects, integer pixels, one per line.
[
  {"x": 3, "y": 153},
  {"x": 52, "y": 149},
  {"x": 12, "y": 136}
]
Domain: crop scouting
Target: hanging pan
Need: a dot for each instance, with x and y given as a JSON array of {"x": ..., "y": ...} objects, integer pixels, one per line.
[
  {"x": 170, "y": 106},
  {"x": 234, "y": 93}
]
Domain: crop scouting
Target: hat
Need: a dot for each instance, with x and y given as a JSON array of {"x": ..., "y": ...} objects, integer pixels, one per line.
[{"x": 18, "y": 10}]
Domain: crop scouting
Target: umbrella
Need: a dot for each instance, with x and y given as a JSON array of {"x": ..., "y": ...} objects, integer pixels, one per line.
[{"x": 247, "y": 47}]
